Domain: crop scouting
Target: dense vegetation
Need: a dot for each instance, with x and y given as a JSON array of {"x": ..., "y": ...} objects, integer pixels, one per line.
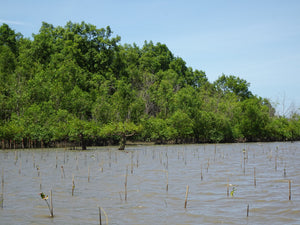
[{"x": 77, "y": 84}]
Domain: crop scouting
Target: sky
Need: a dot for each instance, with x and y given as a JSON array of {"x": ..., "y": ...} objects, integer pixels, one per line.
[{"x": 256, "y": 40}]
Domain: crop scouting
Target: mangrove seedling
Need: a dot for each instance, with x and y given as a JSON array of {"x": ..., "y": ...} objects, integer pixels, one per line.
[
  {"x": 232, "y": 192},
  {"x": 45, "y": 197}
]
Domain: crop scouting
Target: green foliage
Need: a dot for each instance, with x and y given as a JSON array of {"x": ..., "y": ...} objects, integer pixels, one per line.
[
  {"x": 233, "y": 84},
  {"x": 77, "y": 84}
]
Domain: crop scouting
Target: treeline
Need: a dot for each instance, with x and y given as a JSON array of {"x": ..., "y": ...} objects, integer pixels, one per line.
[{"x": 78, "y": 85}]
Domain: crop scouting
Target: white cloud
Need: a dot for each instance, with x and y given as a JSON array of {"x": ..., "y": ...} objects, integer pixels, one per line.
[{"x": 10, "y": 22}]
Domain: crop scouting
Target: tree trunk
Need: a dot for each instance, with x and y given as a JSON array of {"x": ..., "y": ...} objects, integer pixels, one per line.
[
  {"x": 122, "y": 142},
  {"x": 83, "y": 144}
]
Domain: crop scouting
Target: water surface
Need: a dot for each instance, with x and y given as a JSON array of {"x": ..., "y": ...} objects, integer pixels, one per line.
[{"x": 156, "y": 184}]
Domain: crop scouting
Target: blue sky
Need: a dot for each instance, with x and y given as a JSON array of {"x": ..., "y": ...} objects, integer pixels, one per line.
[{"x": 257, "y": 40}]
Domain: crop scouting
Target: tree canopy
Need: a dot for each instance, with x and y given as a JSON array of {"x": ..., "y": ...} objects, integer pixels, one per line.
[{"x": 77, "y": 84}]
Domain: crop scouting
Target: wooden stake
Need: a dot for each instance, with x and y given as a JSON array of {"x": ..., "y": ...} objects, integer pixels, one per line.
[
  {"x": 126, "y": 183},
  {"x": 62, "y": 172},
  {"x": 33, "y": 159},
  {"x": 1, "y": 200},
  {"x": 247, "y": 210},
  {"x": 100, "y": 221},
  {"x": 77, "y": 168},
  {"x": 201, "y": 174},
  {"x": 227, "y": 187},
  {"x": 40, "y": 182},
  {"x": 73, "y": 185},
  {"x": 2, "y": 181},
  {"x": 2, "y": 189},
  {"x": 20, "y": 167},
  {"x": 106, "y": 217},
  {"x": 55, "y": 159},
  {"x": 284, "y": 172},
  {"x": 131, "y": 163},
  {"x": 51, "y": 204},
  {"x": 207, "y": 165},
  {"x": 88, "y": 174},
  {"x": 167, "y": 186},
  {"x": 186, "y": 196},
  {"x": 38, "y": 170},
  {"x": 254, "y": 177},
  {"x": 290, "y": 190},
  {"x": 275, "y": 163}
]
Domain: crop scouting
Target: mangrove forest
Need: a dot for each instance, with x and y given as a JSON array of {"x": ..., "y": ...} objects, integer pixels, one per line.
[{"x": 77, "y": 85}]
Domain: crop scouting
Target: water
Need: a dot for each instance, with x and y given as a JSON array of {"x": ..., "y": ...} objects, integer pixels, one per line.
[{"x": 26, "y": 173}]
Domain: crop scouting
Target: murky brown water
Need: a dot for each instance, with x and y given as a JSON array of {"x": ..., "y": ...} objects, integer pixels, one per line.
[{"x": 150, "y": 168}]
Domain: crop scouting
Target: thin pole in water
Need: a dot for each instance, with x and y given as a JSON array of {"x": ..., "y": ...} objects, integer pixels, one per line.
[
  {"x": 51, "y": 204},
  {"x": 290, "y": 190},
  {"x": 186, "y": 196},
  {"x": 254, "y": 177},
  {"x": 247, "y": 210},
  {"x": 227, "y": 187},
  {"x": 100, "y": 221},
  {"x": 126, "y": 183}
]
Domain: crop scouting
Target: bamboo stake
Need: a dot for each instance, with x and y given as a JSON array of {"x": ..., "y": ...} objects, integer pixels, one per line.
[
  {"x": 284, "y": 172},
  {"x": 290, "y": 190},
  {"x": 186, "y": 196},
  {"x": 275, "y": 163}
]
